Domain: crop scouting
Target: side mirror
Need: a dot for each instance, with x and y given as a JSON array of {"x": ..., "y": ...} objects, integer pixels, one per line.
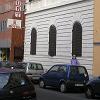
[
  {"x": 99, "y": 77},
  {"x": 45, "y": 70}
]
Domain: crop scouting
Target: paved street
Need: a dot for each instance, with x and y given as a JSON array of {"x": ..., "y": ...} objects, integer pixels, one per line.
[{"x": 52, "y": 94}]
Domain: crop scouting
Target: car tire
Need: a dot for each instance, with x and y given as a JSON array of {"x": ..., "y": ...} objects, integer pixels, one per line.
[
  {"x": 41, "y": 84},
  {"x": 33, "y": 99},
  {"x": 89, "y": 93},
  {"x": 62, "y": 87}
]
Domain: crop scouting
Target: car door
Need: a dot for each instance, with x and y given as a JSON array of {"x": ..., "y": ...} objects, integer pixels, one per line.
[
  {"x": 51, "y": 76},
  {"x": 61, "y": 74},
  {"x": 32, "y": 69},
  {"x": 39, "y": 69},
  {"x": 97, "y": 85},
  {"x": 73, "y": 73}
]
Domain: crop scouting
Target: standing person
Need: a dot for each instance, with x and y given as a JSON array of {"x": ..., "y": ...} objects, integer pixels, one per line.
[
  {"x": 74, "y": 60},
  {"x": 0, "y": 64}
]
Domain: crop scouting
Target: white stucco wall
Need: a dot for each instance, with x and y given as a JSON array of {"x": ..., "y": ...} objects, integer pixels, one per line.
[
  {"x": 63, "y": 18},
  {"x": 37, "y": 5}
]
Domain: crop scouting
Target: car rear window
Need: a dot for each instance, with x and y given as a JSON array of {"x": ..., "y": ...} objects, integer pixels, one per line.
[
  {"x": 17, "y": 79},
  {"x": 32, "y": 66},
  {"x": 12, "y": 80},
  {"x": 3, "y": 79},
  {"x": 78, "y": 69}
]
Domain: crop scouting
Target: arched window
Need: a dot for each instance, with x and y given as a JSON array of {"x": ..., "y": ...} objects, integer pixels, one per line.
[
  {"x": 33, "y": 41},
  {"x": 77, "y": 39},
  {"x": 52, "y": 40}
]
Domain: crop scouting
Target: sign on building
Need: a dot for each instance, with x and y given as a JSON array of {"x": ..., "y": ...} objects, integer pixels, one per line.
[
  {"x": 18, "y": 8},
  {"x": 14, "y": 23}
]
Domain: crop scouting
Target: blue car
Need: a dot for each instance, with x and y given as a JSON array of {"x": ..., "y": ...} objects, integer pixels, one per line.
[
  {"x": 64, "y": 77},
  {"x": 93, "y": 88}
]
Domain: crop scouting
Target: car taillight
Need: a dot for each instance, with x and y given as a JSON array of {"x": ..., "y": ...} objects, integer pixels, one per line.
[{"x": 27, "y": 93}]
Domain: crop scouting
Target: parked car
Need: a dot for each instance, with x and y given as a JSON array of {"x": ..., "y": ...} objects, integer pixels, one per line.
[
  {"x": 64, "y": 77},
  {"x": 4, "y": 63},
  {"x": 33, "y": 70},
  {"x": 7, "y": 64},
  {"x": 93, "y": 87},
  {"x": 15, "y": 85}
]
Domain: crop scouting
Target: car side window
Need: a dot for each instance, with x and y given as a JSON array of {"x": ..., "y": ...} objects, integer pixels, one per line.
[
  {"x": 81, "y": 70},
  {"x": 39, "y": 67},
  {"x": 3, "y": 80},
  {"x": 54, "y": 69},
  {"x": 62, "y": 69}
]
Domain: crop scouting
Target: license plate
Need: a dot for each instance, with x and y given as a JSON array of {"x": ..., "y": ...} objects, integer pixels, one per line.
[{"x": 79, "y": 85}]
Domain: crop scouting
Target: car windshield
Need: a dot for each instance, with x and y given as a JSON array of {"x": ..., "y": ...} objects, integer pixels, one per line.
[{"x": 3, "y": 79}]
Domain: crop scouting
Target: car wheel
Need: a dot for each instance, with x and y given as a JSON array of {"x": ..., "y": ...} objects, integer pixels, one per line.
[
  {"x": 32, "y": 98},
  {"x": 42, "y": 84},
  {"x": 89, "y": 93},
  {"x": 62, "y": 87}
]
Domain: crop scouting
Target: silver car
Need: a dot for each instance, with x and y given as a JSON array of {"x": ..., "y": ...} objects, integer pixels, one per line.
[{"x": 33, "y": 70}]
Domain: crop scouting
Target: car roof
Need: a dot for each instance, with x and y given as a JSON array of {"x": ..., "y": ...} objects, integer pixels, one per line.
[
  {"x": 29, "y": 62},
  {"x": 68, "y": 65},
  {"x": 9, "y": 70}
]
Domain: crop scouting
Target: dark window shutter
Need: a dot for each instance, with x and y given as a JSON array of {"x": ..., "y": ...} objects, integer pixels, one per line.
[
  {"x": 33, "y": 41},
  {"x": 77, "y": 39},
  {"x": 30, "y": 0},
  {"x": 52, "y": 40}
]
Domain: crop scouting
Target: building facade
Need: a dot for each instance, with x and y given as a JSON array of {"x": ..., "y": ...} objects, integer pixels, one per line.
[
  {"x": 57, "y": 29},
  {"x": 12, "y": 27}
]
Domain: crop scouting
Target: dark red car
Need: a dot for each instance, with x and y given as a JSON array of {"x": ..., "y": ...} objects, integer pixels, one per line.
[{"x": 15, "y": 85}]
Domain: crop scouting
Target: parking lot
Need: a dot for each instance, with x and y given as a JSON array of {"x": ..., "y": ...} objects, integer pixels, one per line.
[{"x": 53, "y": 94}]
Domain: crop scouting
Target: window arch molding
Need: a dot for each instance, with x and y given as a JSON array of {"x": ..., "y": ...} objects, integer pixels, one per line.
[
  {"x": 77, "y": 39},
  {"x": 52, "y": 40},
  {"x": 33, "y": 41}
]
